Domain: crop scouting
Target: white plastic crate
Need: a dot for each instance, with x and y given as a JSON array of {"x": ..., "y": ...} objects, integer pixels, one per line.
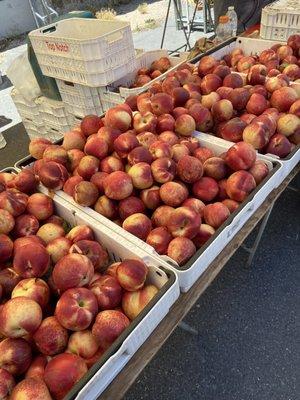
[
  {"x": 194, "y": 268},
  {"x": 26, "y": 109},
  {"x": 86, "y": 51},
  {"x": 119, "y": 90},
  {"x": 34, "y": 129},
  {"x": 120, "y": 352},
  {"x": 280, "y": 19}
]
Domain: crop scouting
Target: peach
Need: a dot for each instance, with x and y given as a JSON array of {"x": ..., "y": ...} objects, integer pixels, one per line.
[
  {"x": 25, "y": 181},
  {"x": 144, "y": 103},
  {"x": 13, "y": 201},
  {"x": 107, "y": 291},
  {"x": 50, "y": 231},
  {"x": 6, "y": 247},
  {"x": 202, "y": 117},
  {"x": 85, "y": 193},
  {"x": 268, "y": 121},
  {"x": 169, "y": 84},
  {"x": 20, "y": 316},
  {"x": 215, "y": 214},
  {"x": 53, "y": 175},
  {"x": 88, "y": 166},
  {"x": 288, "y": 124},
  {"x": 156, "y": 87},
  {"x": 240, "y": 156},
  {"x": 284, "y": 51},
  {"x": 8, "y": 280},
  {"x": 83, "y": 344},
  {"x": 51, "y": 337},
  {"x": 33, "y": 288},
  {"x": 221, "y": 71},
  {"x": 279, "y": 145},
  {"x": 55, "y": 153},
  {"x": 38, "y": 146},
  {"x": 247, "y": 118},
  {"x": 125, "y": 143},
  {"x": 239, "y": 98},
  {"x": 160, "y": 149},
  {"x": 7, "y": 384},
  {"x": 138, "y": 224},
  {"x": 70, "y": 184},
  {"x": 58, "y": 248},
  {"x": 239, "y": 185},
  {"x": 173, "y": 194},
  {"x": 37, "y": 367},
  {"x": 80, "y": 232},
  {"x": 222, "y": 189},
  {"x": 146, "y": 138},
  {"x": 15, "y": 356},
  {"x": 180, "y": 96},
  {"x": 108, "y": 326},
  {"x": 245, "y": 64},
  {"x": 130, "y": 205},
  {"x": 222, "y": 110},
  {"x": 181, "y": 249},
  {"x": 208, "y": 100},
  {"x": 179, "y": 151},
  {"x": 93, "y": 250},
  {"x": 295, "y": 108},
  {"x": 150, "y": 198},
  {"x": 144, "y": 122},
  {"x": 203, "y": 235},
  {"x": 25, "y": 225},
  {"x": 168, "y": 137},
  {"x": 31, "y": 260},
  {"x": 98, "y": 178},
  {"x": 233, "y": 80},
  {"x": 142, "y": 80},
  {"x": 232, "y": 205},
  {"x": 161, "y": 215},
  {"x": 256, "y": 135},
  {"x": 189, "y": 104},
  {"x": 206, "y": 65},
  {"x": 37, "y": 166},
  {"x": 163, "y": 170},
  {"x": 159, "y": 238},
  {"x": 109, "y": 135},
  {"x": 134, "y": 302},
  {"x": 31, "y": 388},
  {"x": 74, "y": 158},
  {"x": 257, "y": 104},
  {"x": 294, "y": 42},
  {"x": 268, "y": 55},
  {"x": 139, "y": 154},
  {"x": 215, "y": 167},
  {"x": 203, "y": 153},
  {"x": 259, "y": 171},
  {"x": 195, "y": 204},
  {"x": 165, "y": 122},
  {"x": 118, "y": 185},
  {"x": 76, "y": 309},
  {"x": 205, "y": 189},
  {"x": 185, "y": 125},
  {"x": 233, "y": 129},
  {"x": 90, "y": 124},
  {"x": 210, "y": 83},
  {"x": 7, "y": 222},
  {"x": 40, "y": 205},
  {"x": 162, "y": 103},
  {"x": 259, "y": 89},
  {"x": 185, "y": 222},
  {"x": 118, "y": 118},
  {"x": 108, "y": 165},
  {"x": 189, "y": 169},
  {"x": 224, "y": 92},
  {"x": 106, "y": 207},
  {"x": 162, "y": 64},
  {"x": 131, "y": 274},
  {"x": 183, "y": 74},
  {"x": 73, "y": 140},
  {"x": 62, "y": 372},
  {"x": 191, "y": 143},
  {"x": 283, "y": 98},
  {"x": 96, "y": 146},
  {"x": 72, "y": 271},
  {"x": 257, "y": 74}
]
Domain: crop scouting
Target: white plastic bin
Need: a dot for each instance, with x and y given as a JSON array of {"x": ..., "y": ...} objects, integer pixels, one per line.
[
  {"x": 86, "y": 51},
  {"x": 280, "y": 19}
]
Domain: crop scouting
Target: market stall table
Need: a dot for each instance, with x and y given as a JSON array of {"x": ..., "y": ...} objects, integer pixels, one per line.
[{"x": 117, "y": 389}]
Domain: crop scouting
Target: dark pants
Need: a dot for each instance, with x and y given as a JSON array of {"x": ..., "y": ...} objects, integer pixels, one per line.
[{"x": 248, "y": 11}]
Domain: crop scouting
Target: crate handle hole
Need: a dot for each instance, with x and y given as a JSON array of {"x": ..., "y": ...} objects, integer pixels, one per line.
[{"x": 159, "y": 274}]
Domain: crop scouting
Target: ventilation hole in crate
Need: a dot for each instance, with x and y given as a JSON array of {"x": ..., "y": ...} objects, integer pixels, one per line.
[{"x": 159, "y": 273}]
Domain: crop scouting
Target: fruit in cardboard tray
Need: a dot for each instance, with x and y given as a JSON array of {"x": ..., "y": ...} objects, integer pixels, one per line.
[
  {"x": 108, "y": 292},
  {"x": 189, "y": 169},
  {"x": 205, "y": 189},
  {"x": 283, "y": 98},
  {"x": 131, "y": 274},
  {"x": 179, "y": 151},
  {"x": 203, "y": 235},
  {"x": 256, "y": 135},
  {"x": 106, "y": 207},
  {"x": 93, "y": 250},
  {"x": 31, "y": 260},
  {"x": 130, "y": 205},
  {"x": 50, "y": 231},
  {"x": 85, "y": 193},
  {"x": 160, "y": 149},
  {"x": 7, "y": 222},
  {"x": 181, "y": 249},
  {"x": 20, "y": 316},
  {"x": 233, "y": 81},
  {"x": 150, "y": 198},
  {"x": 185, "y": 125},
  {"x": 118, "y": 185},
  {"x": 259, "y": 171},
  {"x": 62, "y": 372},
  {"x": 222, "y": 110},
  {"x": 239, "y": 185},
  {"x": 134, "y": 302},
  {"x": 279, "y": 145},
  {"x": 288, "y": 124},
  {"x": 240, "y": 156},
  {"x": 31, "y": 388},
  {"x": 184, "y": 222},
  {"x": 13, "y": 201},
  {"x": 210, "y": 83},
  {"x": 108, "y": 326},
  {"x": 80, "y": 232},
  {"x": 173, "y": 193},
  {"x": 162, "y": 103},
  {"x": 53, "y": 175},
  {"x": 215, "y": 214},
  {"x": 73, "y": 140},
  {"x": 207, "y": 65}
]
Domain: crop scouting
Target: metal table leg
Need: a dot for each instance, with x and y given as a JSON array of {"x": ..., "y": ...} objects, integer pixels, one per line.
[
  {"x": 188, "y": 328},
  {"x": 252, "y": 250}
]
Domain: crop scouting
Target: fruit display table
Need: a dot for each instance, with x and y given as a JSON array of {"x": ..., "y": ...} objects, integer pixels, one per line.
[{"x": 117, "y": 389}]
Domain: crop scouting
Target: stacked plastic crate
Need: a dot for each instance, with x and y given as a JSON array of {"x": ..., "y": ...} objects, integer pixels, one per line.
[{"x": 84, "y": 56}]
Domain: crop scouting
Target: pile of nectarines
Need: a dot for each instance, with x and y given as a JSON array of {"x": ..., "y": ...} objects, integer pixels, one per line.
[
  {"x": 146, "y": 75},
  {"x": 62, "y": 302}
]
